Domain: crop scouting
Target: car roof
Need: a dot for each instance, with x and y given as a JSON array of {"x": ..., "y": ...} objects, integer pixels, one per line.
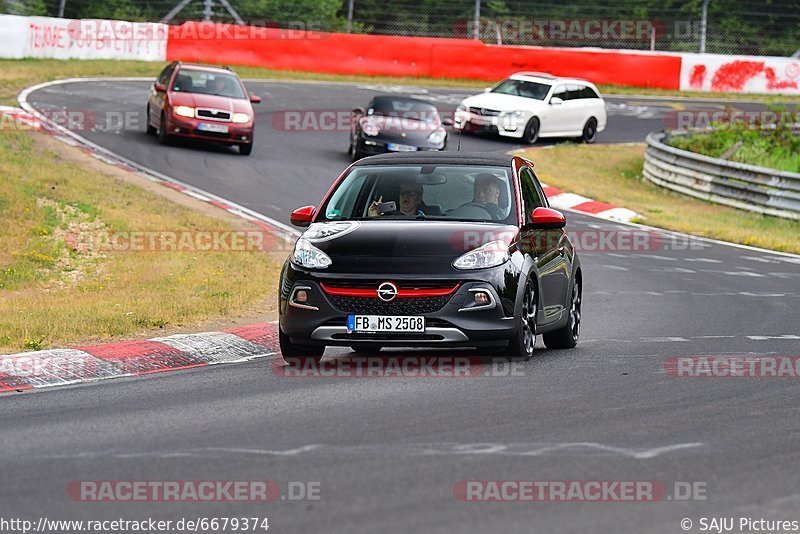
[
  {"x": 401, "y": 97},
  {"x": 207, "y": 68},
  {"x": 439, "y": 158},
  {"x": 543, "y": 77}
]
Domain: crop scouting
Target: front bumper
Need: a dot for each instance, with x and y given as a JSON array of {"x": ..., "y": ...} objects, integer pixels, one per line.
[
  {"x": 370, "y": 146},
  {"x": 322, "y": 319},
  {"x": 188, "y": 127},
  {"x": 505, "y": 124}
]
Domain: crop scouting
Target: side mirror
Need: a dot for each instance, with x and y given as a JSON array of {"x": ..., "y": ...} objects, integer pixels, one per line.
[
  {"x": 255, "y": 99},
  {"x": 359, "y": 111},
  {"x": 302, "y": 216},
  {"x": 159, "y": 87},
  {"x": 556, "y": 101},
  {"x": 546, "y": 218},
  {"x": 448, "y": 122}
]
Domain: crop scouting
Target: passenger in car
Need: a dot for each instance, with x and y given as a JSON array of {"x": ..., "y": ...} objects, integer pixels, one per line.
[
  {"x": 409, "y": 201},
  {"x": 487, "y": 194}
]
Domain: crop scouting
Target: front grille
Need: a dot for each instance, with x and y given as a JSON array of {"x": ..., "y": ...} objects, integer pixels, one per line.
[
  {"x": 402, "y": 284},
  {"x": 213, "y": 114},
  {"x": 370, "y": 306},
  {"x": 485, "y": 112}
]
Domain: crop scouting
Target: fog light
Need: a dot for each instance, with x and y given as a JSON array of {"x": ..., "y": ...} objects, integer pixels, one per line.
[
  {"x": 370, "y": 143},
  {"x": 301, "y": 296},
  {"x": 482, "y": 298}
]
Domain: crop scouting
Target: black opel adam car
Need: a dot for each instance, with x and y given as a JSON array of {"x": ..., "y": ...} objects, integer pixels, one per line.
[
  {"x": 431, "y": 250},
  {"x": 396, "y": 124}
]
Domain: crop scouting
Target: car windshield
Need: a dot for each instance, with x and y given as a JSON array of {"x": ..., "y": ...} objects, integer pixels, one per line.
[
  {"x": 207, "y": 83},
  {"x": 537, "y": 91},
  {"x": 403, "y": 108},
  {"x": 423, "y": 192}
]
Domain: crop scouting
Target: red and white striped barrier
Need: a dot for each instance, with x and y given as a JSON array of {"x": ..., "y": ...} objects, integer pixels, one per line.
[{"x": 563, "y": 200}]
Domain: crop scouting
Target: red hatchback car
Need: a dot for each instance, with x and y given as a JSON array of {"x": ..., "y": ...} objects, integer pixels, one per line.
[{"x": 201, "y": 102}]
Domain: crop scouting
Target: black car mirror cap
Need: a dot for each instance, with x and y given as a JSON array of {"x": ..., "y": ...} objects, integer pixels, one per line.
[
  {"x": 359, "y": 111},
  {"x": 303, "y": 216},
  {"x": 255, "y": 99},
  {"x": 448, "y": 122}
]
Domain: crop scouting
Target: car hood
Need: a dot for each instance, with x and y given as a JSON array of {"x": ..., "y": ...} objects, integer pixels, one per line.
[
  {"x": 502, "y": 102},
  {"x": 403, "y": 131},
  {"x": 197, "y": 100},
  {"x": 402, "y": 247}
]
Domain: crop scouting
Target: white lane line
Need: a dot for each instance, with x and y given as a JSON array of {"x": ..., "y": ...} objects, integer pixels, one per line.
[
  {"x": 664, "y": 339},
  {"x": 733, "y": 273},
  {"x": 786, "y": 337}
]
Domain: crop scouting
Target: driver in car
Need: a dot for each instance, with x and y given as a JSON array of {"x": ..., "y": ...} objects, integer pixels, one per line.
[
  {"x": 487, "y": 194},
  {"x": 410, "y": 199}
]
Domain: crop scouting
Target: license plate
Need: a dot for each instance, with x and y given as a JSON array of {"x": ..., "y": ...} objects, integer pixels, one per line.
[
  {"x": 385, "y": 323},
  {"x": 216, "y": 128},
  {"x": 479, "y": 121},
  {"x": 394, "y": 147}
]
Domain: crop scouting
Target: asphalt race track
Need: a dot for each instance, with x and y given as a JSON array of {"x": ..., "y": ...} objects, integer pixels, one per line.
[{"x": 388, "y": 452}]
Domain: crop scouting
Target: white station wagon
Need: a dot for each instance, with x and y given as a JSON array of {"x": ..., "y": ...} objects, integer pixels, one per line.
[{"x": 530, "y": 105}]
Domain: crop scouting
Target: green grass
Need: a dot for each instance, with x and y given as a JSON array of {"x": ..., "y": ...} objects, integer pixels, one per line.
[
  {"x": 53, "y": 293},
  {"x": 613, "y": 174},
  {"x": 778, "y": 148},
  {"x": 20, "y": 73}
]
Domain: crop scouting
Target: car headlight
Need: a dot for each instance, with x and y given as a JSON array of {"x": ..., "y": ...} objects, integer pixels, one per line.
[
  {"x": 184, "y": 111},
  {"x": 369, "y": 128},
  {"x": 437, "y": 137},
  {"x": 309, "y": 256},
  {"x": 240, "y": 118},
  {"x": 516, "y": 114},
  {"x": 491, "y": 254},
  {"x": 461, "y": 107}
]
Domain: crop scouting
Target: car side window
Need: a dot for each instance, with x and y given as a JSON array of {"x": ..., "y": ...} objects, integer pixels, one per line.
[
  {"x": 574, "y": 92},
  {"x": 561, "y": 92},
  {"x": 588, "y": 92},
  {"x": 532, "y": 197}
]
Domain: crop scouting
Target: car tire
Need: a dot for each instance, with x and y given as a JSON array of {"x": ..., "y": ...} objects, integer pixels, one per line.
[
  {"x": 354, "y": 152},
  {"x": 246, "y": 149},
  {"x": 151, "y": 130},
  {"x": 298, "y": 354},
  {"x": 531, "y": 133},
  {"x": 589, "y": 134},
  {"x": 364, "y": 348},
  {"x": 163, "y": 136},
  {"x": 523, "y": 342},
  {"x": 567, "y": 336}
]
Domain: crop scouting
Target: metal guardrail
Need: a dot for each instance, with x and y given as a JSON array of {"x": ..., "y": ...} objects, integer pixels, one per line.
[{"x": 739, "y": 185}]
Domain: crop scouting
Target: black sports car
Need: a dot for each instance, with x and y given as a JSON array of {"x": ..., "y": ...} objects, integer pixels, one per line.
[
  {"x": 431, "y": 249},
  {"x": 396, "y": 124}
]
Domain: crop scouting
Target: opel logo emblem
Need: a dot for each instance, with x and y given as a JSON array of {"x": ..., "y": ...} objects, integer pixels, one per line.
[{"x": 387, "y": 291}]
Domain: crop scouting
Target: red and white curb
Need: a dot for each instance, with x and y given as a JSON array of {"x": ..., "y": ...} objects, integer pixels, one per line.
[
  {"x": 563, "y": 200},
  {"x": 60, "y": 367}
]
